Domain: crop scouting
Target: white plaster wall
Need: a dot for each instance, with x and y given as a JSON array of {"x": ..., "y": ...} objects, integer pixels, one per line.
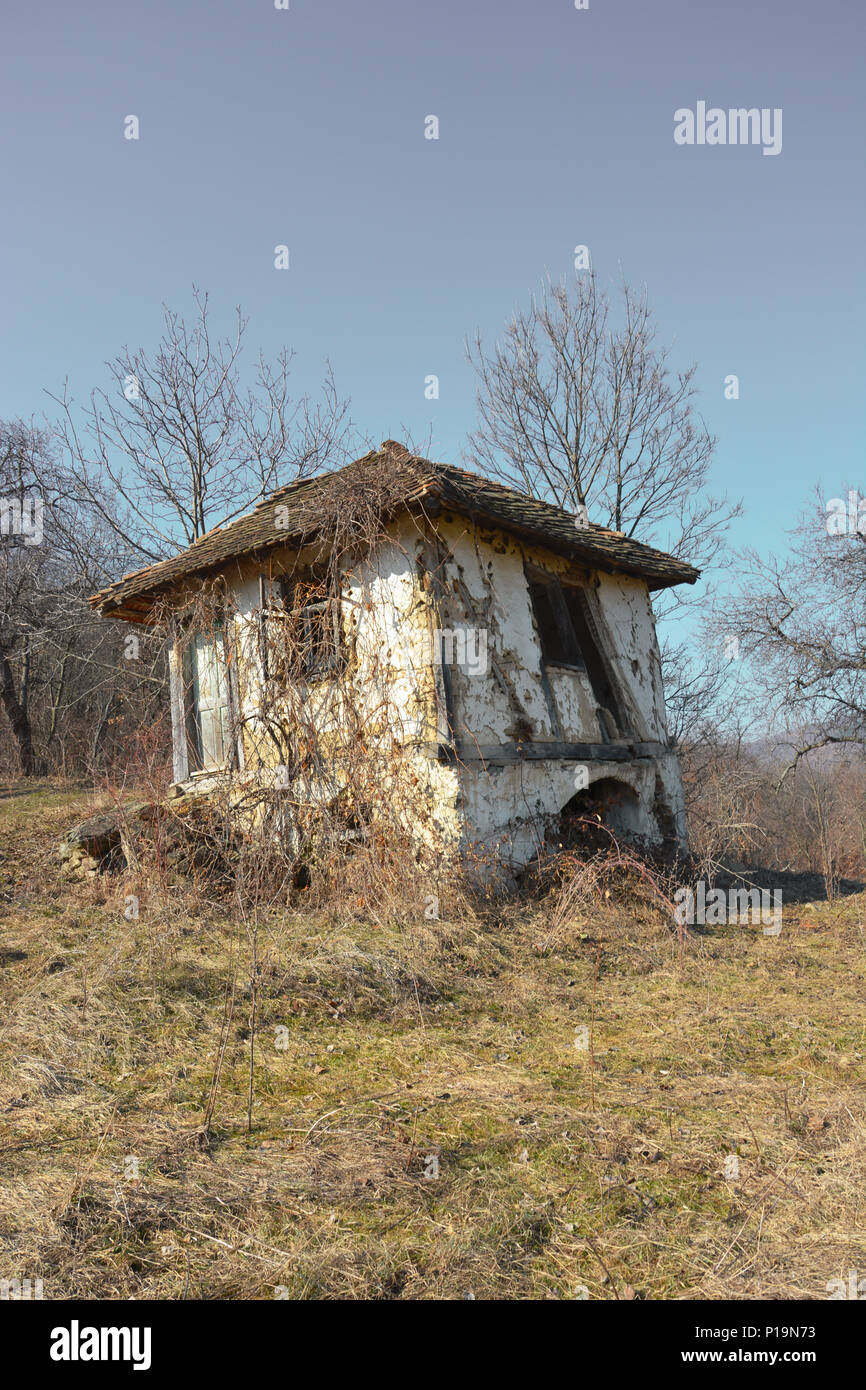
[
  {"x": 385, "y": 619},
  {"x": 506, "y": 809},
  {"x": 489, "y": 571},
  {"x": 486, "y": 588},
  {"x": 503, "y": 809}
]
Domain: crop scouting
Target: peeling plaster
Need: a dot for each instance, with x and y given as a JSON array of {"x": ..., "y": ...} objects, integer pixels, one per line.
[{"x": 391, "y": 615}]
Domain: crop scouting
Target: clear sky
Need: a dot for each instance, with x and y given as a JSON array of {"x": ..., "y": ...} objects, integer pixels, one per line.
[{"x": 305, "y": 127}]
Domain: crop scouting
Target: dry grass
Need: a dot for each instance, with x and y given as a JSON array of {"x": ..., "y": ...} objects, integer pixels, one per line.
[{"x": 381, "y": 1043}]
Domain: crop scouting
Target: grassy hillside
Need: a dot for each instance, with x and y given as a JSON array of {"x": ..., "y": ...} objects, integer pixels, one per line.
[{"x": 579, "y": 1081}]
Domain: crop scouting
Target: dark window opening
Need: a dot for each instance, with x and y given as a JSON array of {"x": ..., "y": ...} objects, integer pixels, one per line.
[
  {"x": 567, "y": 637},
  {"x": 320, "y": 638},
  {"x": 558, "y": 643}
]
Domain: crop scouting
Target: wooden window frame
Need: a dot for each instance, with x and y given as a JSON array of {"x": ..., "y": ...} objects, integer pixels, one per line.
[{"x": 186, "y": 736}]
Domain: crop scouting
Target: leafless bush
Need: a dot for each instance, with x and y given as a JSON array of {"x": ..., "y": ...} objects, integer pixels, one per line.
[
  {"x": 749, "y": 806},
  {"x": 581, "y": 882}
]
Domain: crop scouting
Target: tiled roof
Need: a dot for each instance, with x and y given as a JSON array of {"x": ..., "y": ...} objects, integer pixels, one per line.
[{"x": 295, "y": 512}]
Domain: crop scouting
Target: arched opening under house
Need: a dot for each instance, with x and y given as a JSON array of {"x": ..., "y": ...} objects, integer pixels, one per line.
[{"x": 606, "y": 805}]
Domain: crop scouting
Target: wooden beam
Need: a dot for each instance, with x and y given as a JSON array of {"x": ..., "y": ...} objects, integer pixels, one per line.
[
  {"x": 178, "y": 707},
  {"x": 431, "y": 567},
  {"x": 468, "y": 752}
]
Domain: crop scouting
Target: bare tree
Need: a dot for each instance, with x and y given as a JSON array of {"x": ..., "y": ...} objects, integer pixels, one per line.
[
  {"x": 185, "y": 438},
  {"x": 800, "y": 621},
  {"x": 579, "y": 411},
  {"x": 22, "y": 584},
  {"x": 179, "y": 444},
  {"x": 68, "y": 682},
  {"x": 587, "y": 412}
]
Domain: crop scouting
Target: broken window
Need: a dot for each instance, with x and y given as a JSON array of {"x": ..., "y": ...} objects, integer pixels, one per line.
[
  {"x": 558, "y": 643},
  {"x": 567, "y": 635},
  {"x": 594, "y": 664},
  {"x": 301, "y": 634},
  {"x": 320, "y": 638}
]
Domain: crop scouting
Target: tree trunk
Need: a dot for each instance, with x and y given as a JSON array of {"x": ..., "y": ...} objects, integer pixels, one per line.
[{"x": 19, "y": 721}]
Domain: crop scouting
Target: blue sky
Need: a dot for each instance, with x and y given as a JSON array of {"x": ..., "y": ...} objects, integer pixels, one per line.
[{"x": 306, "y": 127}]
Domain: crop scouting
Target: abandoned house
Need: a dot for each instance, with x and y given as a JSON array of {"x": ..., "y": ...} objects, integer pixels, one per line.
[{"x": 504, "y": 649}]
